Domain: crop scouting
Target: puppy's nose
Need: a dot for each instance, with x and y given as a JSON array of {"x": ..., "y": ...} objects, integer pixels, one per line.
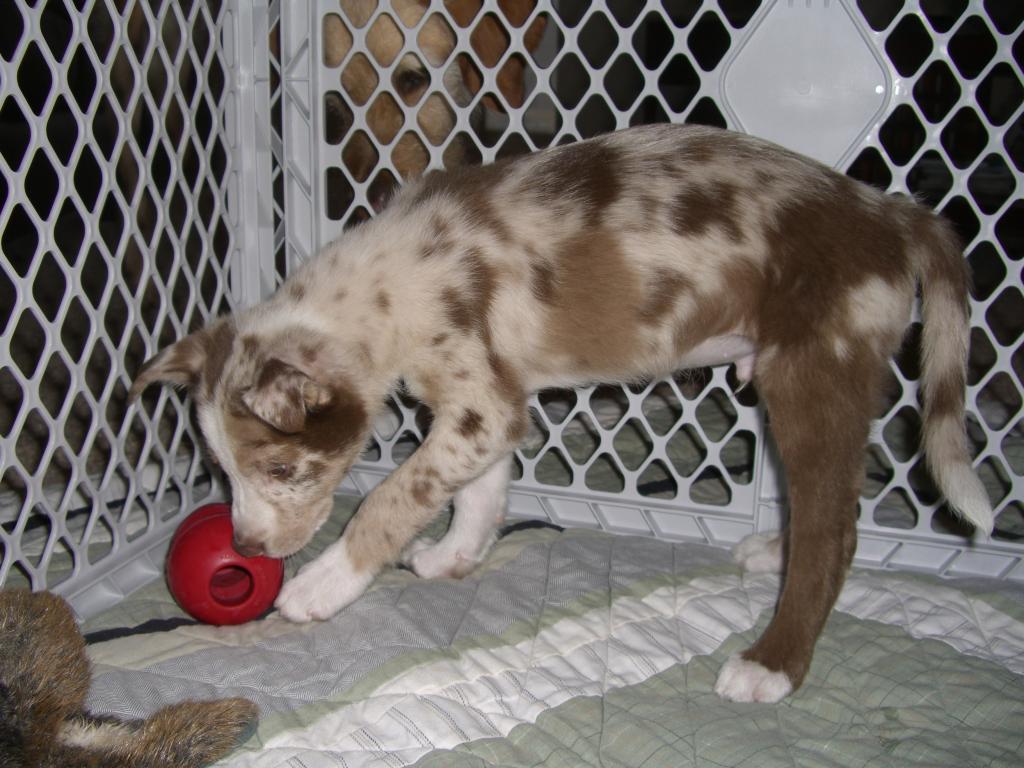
[{"x": 248, "y": 547}]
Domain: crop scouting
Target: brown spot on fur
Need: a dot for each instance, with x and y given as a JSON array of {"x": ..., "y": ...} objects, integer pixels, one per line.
[
  {"x": 700, "y": 150},
  {"x": 506, "y": 380},
  {"x": 470, "y": 309},
  {"x": 585, "y": 173},
  {"x": 439, "y": 339},
  {"x": 383, "y": 300},
  {"x": 250, "y": 346},
  {"x": 542, "y": 282},
  {"x": 470, "y": 188},
  {"x": 313, "y": 471},
  {"x": 663, "y": 291},
  {"x": 335, "y": 428},
  {"x": 441, "y": 227},
  {"x": 309, "y": 354},
  {"x": 699, "y": 208},
  {"x": 218, "y": 341},
  {"x": 517, "y": 427},
  {"x": 470, "y": 423},
  {"x": 592, "y": 320},
  {"x": 481, "y": 289},
  {"x": 340, "y": 295},
  {"x": 459, "y": 311},
  {"x": 421, "y": 490},
  {"x": 429, "y": 391},
  {"x": 296, "y": 290},
  {"x": 435, "y": 247},
  {"x": 440, "y": 239}
]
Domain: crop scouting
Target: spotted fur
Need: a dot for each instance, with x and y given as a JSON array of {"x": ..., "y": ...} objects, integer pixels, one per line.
[
  {"x": 625, "y": 257},
  {"x": 44, "y": 679}
]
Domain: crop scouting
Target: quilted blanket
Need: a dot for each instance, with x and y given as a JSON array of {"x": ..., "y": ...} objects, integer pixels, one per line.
[{"x": 573, "y": 648}]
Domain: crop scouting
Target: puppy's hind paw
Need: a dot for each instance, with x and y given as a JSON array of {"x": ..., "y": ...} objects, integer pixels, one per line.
[
  {"x": 748, "y": 681},
  {"x": 759, "y": 553},
  {"x": 437, "y": 560}
]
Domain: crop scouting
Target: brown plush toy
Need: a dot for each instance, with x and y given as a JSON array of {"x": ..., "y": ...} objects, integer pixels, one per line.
[{"x": 44, "y": 678}]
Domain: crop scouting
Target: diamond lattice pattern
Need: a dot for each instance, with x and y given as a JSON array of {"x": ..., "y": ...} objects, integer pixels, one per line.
[{"x": 115, "y": 237}]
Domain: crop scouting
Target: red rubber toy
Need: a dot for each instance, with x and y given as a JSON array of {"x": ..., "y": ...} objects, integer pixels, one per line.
[{"x": 210, "y": 580}]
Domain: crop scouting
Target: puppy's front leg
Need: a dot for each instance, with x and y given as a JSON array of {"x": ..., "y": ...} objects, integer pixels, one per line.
[{"x": 461, "y": 446}]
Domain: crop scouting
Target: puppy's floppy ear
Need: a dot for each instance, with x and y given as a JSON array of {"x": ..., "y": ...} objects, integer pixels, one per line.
[
  {"x": 184, "y": 362},
  {"x": 178, "y": 364},
  {"x": 283, "y": 396}
]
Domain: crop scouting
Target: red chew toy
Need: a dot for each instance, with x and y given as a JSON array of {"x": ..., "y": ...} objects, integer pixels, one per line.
[{"x": 210, "y": 580}]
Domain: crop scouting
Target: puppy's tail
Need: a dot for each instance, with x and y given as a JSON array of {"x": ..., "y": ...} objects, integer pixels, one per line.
[{"x": 944, "y": 279}]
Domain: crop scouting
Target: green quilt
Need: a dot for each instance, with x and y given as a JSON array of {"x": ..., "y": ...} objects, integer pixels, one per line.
[{"x": 580, "y": 648}]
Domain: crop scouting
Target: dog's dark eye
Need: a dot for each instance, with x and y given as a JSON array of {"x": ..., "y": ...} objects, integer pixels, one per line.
[
  {"x": 409, "y": 80},
  {"x": 279, "y": 471}
]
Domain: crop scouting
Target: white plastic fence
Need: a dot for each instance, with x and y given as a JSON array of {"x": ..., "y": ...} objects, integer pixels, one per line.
[{"x": 162, "y": 162}]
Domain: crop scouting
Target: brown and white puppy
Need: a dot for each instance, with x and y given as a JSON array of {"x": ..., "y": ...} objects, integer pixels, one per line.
[{"x": 625, "y": 257}]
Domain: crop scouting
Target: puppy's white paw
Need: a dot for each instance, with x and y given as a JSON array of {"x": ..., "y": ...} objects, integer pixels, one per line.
[
  {"x": 417, "y": 546},
  {"x": 759, "y": 553},
  {"x": 748, "y": 681},
  {"x": 437, "y": 560},
  {"x": 321, "y": 588}
]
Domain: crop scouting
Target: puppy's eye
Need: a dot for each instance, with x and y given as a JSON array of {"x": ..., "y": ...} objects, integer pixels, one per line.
[{"x": 279, "y": 470}]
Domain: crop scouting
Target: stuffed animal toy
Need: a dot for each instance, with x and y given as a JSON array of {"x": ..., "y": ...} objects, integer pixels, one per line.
[{"x": 44, "y": 678}]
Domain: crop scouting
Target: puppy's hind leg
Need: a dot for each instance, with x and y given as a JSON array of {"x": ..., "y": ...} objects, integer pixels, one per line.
[
  {"x": 479, "y": 510},
  {"x": 820, "y": 419}
]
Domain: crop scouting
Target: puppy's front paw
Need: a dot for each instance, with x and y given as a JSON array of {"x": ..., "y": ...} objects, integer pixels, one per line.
[
  {"x": 748, "y": 681},
  {"x": 759, "y": 553},
  {"x": 321, "y": 588}
]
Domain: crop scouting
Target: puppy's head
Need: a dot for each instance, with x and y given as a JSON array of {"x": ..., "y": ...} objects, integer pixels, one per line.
[{"x": 284, "y": 427}]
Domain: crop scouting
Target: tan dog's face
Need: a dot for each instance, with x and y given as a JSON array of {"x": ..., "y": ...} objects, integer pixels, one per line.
[
  {"x": 283, "y": 434},
  {"x": 384, "y": 82}
]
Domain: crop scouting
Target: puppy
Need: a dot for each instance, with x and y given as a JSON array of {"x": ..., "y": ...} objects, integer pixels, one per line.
[{"x": 625, "y": 257}]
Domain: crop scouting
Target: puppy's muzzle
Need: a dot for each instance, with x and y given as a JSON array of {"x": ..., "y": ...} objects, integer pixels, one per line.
[{"x": 248, "y": 547}]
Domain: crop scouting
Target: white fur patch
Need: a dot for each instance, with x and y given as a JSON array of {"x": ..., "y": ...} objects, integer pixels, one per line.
[
  {"x": 876, "y": 306},
  {"x": 948, "y": 460},
  {"x": 759, "y": 553},
  {"x": 89, "y": 735},
  {"x": 720, "y": 350},
  {"x": 323, "y": 587},
  {"x": 748, "y": 681}
]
